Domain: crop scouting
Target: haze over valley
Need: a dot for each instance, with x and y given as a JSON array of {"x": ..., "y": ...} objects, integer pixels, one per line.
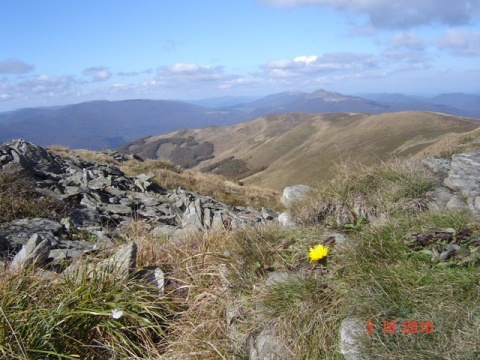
[{"x": 109, "y": 124}]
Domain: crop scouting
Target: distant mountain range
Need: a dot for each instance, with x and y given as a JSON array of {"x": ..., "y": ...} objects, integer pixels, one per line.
[
  {"x": 275, "y": 151},
  {"x": 108, "y": 124},
  {"x": 454, "y": 103}
]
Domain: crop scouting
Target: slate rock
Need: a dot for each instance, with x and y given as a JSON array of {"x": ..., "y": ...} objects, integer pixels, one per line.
[
  {"x": 460, "y": 178},
  {"x": 123, "y": 260},
  {"x": 153, "y": 276},
  {"x": 5, "y": 245},
  {"x": 192, "y": 218},
  {"x": 117, "y": 209},
  {"x": 341, "y": 241},
  {"x": 32, "y": 158},
  {"x": 268, "y": 346},
  {"x": 268, "y": 214},
  {"x": 279, "y": 277},
  {"x": 102, "y": 197},
  {"x": 100, "y": 183},
  {"x": 81, "y": 218},
  {"x": 438, "y": 166},
  {"x": 34, "y": 252},
  {"x": 57, "y": 255},
  {"x": 119, "y": 264},
  {"x": 16, "y": 233}
]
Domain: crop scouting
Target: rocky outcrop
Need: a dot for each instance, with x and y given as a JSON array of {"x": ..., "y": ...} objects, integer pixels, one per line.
[
  {"x": 459, "y": 182},
  {"x": 102, "y": 199}
]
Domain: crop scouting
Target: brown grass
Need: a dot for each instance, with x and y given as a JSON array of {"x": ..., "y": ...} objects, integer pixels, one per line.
[
  {"x": 299, "y": 148},
  {"x": 222, "y": 189},
  {"x": 454, "y": 144},
  {"x": 19, "y": 199},
  {"x": 359, "y": 193}
]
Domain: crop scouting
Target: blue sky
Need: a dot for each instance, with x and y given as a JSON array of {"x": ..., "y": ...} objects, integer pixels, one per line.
[{"x": 55, "y": 52}]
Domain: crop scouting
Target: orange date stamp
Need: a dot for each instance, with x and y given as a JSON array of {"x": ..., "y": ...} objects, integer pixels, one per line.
[{"x": 406, "y": 327}]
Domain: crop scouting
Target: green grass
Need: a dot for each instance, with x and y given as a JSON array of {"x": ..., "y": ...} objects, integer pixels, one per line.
[
  {"x": 389, "y": 282},
  {"x": 40, "y": 318}
]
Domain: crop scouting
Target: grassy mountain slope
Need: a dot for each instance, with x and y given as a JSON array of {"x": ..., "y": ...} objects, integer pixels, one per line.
[{"x": 278, "y": 150}]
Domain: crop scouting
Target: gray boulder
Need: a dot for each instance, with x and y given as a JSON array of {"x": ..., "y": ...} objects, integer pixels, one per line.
[
  {"x": 268, "y": 346},
  {"x": 193, "y": 216},
  {"x": 292, "y": 193},
  {"x": 285, "y": 219}
]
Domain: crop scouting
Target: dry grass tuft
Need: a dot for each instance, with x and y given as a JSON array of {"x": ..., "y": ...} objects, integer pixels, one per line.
[
  {"x": 19, "y": 199},
  {"x": 359, "y": 193},
  {"x": 195, "y": 282}
]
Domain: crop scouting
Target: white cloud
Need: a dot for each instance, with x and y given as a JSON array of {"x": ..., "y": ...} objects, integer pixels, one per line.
[
  {"x": 14, "y": 66},
  {"x": 120, "y": 87},
  {"x": 460, "y": 42},
  {"x": 338, "y": 67},
  {"x": 313, "y": 64},
  {"x": 192, "y": 72},
  {"x": 400, "y": 14},
  {"x": 406, "y": 52},
  {"x": 407, "y": 40},
  {"x": 406, "y": 59},
  {"x": 306, "y": 59},
  {"x": 98, "y": 73},
  {"x": 36, "y": 87}
]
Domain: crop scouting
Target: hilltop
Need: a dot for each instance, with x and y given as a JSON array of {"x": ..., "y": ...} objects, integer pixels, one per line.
[{"x": 279, "y": 150}]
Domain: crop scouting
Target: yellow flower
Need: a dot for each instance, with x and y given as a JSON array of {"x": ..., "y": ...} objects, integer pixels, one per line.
[{"x": 317, "y": 253}]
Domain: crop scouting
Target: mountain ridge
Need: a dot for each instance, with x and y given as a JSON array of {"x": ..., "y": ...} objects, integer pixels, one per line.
[
  {"x": 285, "y": 149},
  {"x": 104, "y": 124}
]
